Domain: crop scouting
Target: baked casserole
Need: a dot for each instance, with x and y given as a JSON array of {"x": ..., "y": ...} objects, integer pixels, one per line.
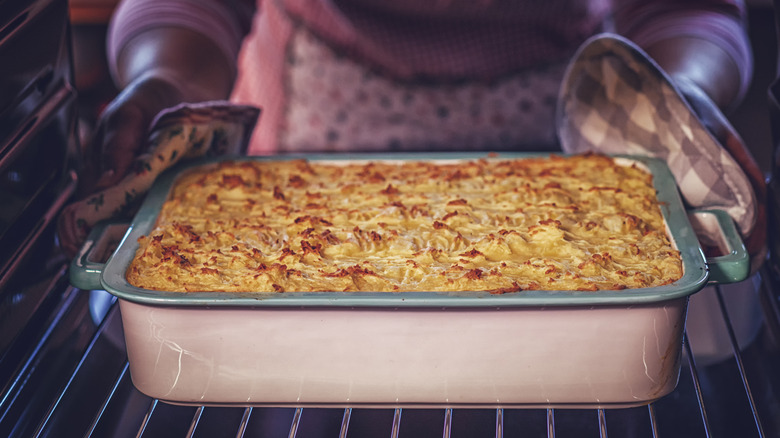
[{"x": 582, "y": 222}]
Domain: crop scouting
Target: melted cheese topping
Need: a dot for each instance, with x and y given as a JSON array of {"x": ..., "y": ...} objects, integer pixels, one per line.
[{"x": 552, "y": 223}]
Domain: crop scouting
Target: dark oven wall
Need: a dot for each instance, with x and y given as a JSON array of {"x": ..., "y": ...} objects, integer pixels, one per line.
[
  {"x": 37, "y": 116},
  {"x": 38, "y": 156}
]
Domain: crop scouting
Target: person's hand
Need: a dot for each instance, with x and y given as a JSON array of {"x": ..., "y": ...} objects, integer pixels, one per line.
[
  {"x": 717, "y": 123},
  {"x": 121, "y": 132},
  {"x": 156, "y": 69}
]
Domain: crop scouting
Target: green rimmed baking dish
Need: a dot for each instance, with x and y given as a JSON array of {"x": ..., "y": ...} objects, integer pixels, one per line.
[{"x": 531, "y": 348}]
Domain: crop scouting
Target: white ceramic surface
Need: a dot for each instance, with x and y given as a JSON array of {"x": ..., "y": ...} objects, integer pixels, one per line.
[{"x": 556, "y": 356}]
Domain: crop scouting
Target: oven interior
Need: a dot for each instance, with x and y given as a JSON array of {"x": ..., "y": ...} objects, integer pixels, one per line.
[{"x": 63, "y": 366}]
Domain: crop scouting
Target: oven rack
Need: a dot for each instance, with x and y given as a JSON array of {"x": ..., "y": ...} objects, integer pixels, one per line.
[{"x": 76, "y": 382}]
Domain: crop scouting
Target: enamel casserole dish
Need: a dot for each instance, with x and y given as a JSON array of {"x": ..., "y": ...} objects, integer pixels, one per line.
[{"x": 521, "y": 349}]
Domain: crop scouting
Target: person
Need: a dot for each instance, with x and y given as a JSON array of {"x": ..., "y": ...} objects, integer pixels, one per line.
[
  {"x": 374, "y": 75},
  {"x": 379, "y": 75}
]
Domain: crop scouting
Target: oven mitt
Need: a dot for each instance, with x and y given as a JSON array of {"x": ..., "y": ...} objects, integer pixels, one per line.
[
  {"x": 615, "y": 100},
  {"x": 183, "y": 132}
]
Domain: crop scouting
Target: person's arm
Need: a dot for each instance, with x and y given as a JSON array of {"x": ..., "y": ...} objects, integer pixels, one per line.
[
  {"x": 156, "y": 66},
  {"x": 695, "y": 61},
  {"x": 697, "y": 42},
  {"x": 187, "y": 59},
  {"x": 704, "y": 48}
]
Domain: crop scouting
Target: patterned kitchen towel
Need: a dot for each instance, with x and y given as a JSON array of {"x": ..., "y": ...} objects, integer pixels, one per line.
[
  {"x": 183, "y": 132},
  {"x": 614, "y": 99}
]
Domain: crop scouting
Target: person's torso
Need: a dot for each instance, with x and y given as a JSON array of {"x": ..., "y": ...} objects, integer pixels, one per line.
[{"x": 371, "y": 75}]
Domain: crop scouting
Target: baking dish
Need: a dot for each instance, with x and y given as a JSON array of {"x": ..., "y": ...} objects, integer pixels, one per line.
[{"x": 526, "y": 349}]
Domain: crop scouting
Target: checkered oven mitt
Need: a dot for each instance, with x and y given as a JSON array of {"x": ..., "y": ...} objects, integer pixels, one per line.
[
  {"x": 614, "y": 99},
  {"x": 183, "y": 132}
]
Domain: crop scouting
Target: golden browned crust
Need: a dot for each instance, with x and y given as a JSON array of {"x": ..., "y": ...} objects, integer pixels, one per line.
[{"x": 501, "y": 225}]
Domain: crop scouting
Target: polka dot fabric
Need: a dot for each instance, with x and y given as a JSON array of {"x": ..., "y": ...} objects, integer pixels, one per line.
[{"x": 337, "y": 104}]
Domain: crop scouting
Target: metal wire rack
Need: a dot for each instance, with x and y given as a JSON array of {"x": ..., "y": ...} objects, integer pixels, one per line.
[{"x": 76, "y": 382}]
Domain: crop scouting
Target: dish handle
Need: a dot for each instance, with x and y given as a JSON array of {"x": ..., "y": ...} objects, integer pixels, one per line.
[
  {"x": 727, "y": 258},
  {"x": 87, "y": 267}
]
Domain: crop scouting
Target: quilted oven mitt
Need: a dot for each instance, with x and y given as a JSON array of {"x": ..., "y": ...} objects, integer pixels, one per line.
[
  {"x": 614, "y": 99},
  {"x": 183, "y": 132}
]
